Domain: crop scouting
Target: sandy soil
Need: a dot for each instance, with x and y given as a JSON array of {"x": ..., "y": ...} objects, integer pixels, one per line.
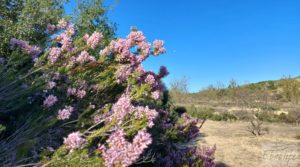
[{"x": 238, "y": 148}]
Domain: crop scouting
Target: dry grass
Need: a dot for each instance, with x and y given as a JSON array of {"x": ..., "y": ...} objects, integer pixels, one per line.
[{"x": 238, "y": 148}]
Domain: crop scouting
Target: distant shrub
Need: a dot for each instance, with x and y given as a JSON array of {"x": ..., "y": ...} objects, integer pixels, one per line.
[
  {"x": 201, "y": 112},
  {"x": 210, "y": 113},
  {"x": 256, "y": 127},
  {"x": 228, "y": 116},
  {"x": 267, "y": 116},
  {"x": 294, "y": 116},
  {"x": 243, "y": 115},
  {"x": 216, "y": 117}
]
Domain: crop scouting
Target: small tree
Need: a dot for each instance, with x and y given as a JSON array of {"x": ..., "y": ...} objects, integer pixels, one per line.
[
  {"x": 256, "y": 127},
  {"x": 179, "y": 89}
]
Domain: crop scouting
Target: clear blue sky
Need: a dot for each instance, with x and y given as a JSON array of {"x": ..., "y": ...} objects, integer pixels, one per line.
[{"x": 212, "y": 41}]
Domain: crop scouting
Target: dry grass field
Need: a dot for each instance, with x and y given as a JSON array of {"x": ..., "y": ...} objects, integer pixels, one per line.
[{"x": 236, "y": 147}]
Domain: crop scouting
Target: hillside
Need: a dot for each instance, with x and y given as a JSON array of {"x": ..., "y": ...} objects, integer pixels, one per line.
[{"x": 276, "y": 100}]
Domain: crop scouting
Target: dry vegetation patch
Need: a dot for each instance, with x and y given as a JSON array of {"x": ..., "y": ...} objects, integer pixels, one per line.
[{"x": 236, "y": 147}]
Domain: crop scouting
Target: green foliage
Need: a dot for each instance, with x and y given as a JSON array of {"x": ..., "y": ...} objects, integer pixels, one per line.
[
  {"x": 90, "y": 16},
  {"x": 27, "y": 20},
  {"x": 83, "y": 157},
  {"x": 209, "y": 113},
  {"x": 2, "y": 129},
  {"x": 267, "y": 97}
]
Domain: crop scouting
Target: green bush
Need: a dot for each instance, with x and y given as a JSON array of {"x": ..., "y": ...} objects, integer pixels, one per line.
[
  {"x": 210, "y": 113},
  {"x": 202, "y": 113}
]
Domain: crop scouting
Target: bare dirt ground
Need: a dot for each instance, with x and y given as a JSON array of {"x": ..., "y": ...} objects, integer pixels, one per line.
[{"x": 238, "y": 148}]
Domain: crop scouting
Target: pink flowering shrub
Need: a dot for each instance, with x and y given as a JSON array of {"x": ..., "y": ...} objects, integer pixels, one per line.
[{"x": 119, "y": 110}]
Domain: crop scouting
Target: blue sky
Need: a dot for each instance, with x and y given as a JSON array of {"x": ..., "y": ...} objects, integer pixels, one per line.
[{"x": 212, "y": 41}]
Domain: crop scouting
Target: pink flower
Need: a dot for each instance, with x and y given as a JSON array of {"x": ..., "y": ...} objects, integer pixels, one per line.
[
  {"x": 121, "y": 152},
  {"x": 70, "y": 30},
  {"x": 141, "y": 141},
  {"x": 81, "y": 93},
  {"x": 136, "y": 36},
  {"x": 71, "y": 91},
  {"x": 62, "y": 23},
  {"x": 150, "y": 114},
  {"x": 158, "y": 47},
  {"x": 32, "y": 50},
  {"x": 123, "y": 72},
  {"x": 155, "y": 95},
  {"x": 86, "y": 37},
  {"x": 94, "y": 39},
  {"x": 122, "y": 107},
  {"x": 50, "y": 27},
  {"x": 66, "y": 41},
  {"x": 145, "y": 48},
  {"x": 54, "y": 54},
  {"x": 84, "y": 57},
  {"x": 65, "y": 113},
  {"x": 50, "y": 101},
  {"x": 150, "y": 79},
  {"x": 140, "y": 69},
  {"x": 51, "y": 84},
  {"x": 119, "y": 45},
  {"x": 105, "y": 51},
  {"x": 74, "y": 140}
]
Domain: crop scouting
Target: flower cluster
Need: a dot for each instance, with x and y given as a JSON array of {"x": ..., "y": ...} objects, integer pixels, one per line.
[
  {"x": 80, "y": 93},
  {"x": 155, "y": 95},
  {"x": 32, "y": 50},
  {"x": 159, "y": 47},
  {"x": 65, "y": 113},
  {"x": 206, "y": 154},
  {"x": 54, "y": 54},
  {"x": 74, "y": 140},
  {"x": 65, "y": 38},
  {"x": 121, "y": 152},
  {"x": 150, "y": 79},
  {"x": 190, "y": 156},
  {"x": 121, "y": 47},
  {"x": 50, "y": 100},
  {"x": 188, "y": 128},
  {"x": 51, "y": 84},
  {"x": 51, "y": 27},
  {"x": 84, "y": 57},
  {"x": 123, "y": 72},
  {"x": 93, "y": 40},
  {"x": 124, "y": 106}
]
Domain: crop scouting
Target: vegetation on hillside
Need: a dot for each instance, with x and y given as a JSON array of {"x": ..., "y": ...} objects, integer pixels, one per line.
[{"x": 275, "y": 101}]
